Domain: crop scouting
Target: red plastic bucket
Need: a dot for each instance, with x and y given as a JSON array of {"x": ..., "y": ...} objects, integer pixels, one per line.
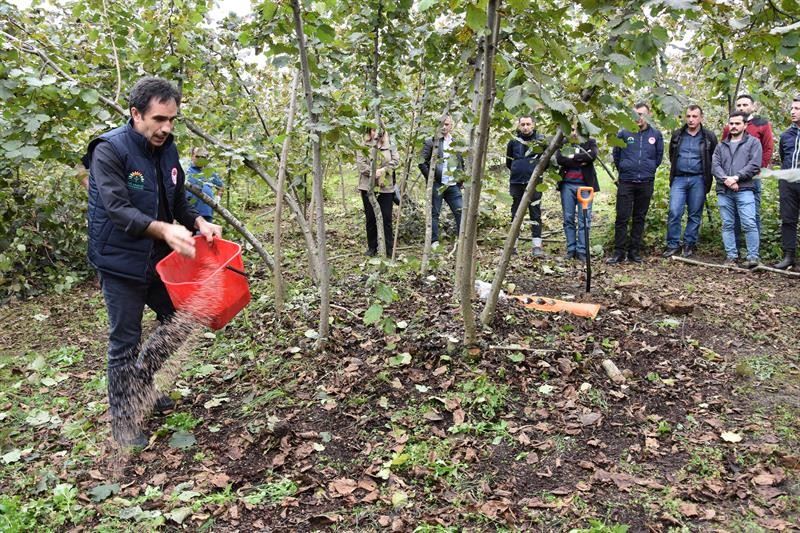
[{"x": 212, "y": 286}]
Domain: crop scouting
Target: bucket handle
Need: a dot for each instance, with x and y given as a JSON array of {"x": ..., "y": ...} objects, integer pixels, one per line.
[{"x": 240, "y": 272}]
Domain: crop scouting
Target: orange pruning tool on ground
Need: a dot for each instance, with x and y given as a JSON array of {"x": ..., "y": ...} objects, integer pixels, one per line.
[{"x": 585, "y": 202}]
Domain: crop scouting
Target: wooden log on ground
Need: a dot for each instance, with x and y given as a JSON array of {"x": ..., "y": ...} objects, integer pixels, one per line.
[{"x": 763, "y": 268}]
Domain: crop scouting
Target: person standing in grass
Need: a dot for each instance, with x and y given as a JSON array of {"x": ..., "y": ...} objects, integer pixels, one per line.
[
  {"x": 690, "y": 151},
  {"x": 388, "y": 159},
  {"x": 211, "y": 184},
  {"x": 736, "y": 161},
  {"x": 521, "y": 159},
  {"x": 790, "y": 190},
  {"x": 136, "y": 193},
  {"x": 576, "y": 166},
  {"x": 637, "y": 164}
]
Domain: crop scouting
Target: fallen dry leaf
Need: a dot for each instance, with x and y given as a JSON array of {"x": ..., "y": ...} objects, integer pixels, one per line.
[{"x": 342, "y": 486}]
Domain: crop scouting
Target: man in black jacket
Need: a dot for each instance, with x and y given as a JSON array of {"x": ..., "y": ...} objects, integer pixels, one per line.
[
  {"x": 691, "y": 149},
  {"x": 521, "y": 160},
  {"x": 790, "y": 190},
  {"x": 445, "y": 185},
  {"x": 135, "y": 194}
]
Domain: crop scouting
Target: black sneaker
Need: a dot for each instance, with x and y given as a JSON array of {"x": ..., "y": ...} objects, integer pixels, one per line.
[
  {"x": 634, "y": 257},
  {"x": 581, "y": 258},
  {"x": 615, "y": 259},
  {"x": 688, "y": 251},
  {"x": 371, "y": 252},
  {"x": 163, "y": 405},
  {"x": 669, "y": 252}
]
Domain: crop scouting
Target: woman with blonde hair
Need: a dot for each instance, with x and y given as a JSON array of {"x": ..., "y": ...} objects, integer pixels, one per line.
[{"x": 387, "y": 161}]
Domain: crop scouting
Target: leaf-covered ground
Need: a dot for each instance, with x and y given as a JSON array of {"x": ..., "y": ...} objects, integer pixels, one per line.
[{"x": 402, "y": 431}]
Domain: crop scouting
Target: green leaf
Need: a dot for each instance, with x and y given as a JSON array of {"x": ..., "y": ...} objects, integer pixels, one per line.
[
  {"x": 385, "y": 293},
  {"x": 12, "y": 457},
  {"x": 513, "y": 97},
  {"x": 325, "y": 33},
  {"x": 373, "y": 314},
  {"x": 179, "y": 514},
  {"x": 400, "y": 360},
  {"x": 182, "y": 440},
  {"x": 476, "y": 18},
  {"x": 90, "y": 96},
  {"x": 425, "y": 5},
  {"x": 103, "y": 492},
  {"x": 516, "y": 357}
]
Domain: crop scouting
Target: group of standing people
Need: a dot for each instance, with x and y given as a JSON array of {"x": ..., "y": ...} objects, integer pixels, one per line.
[{"x": 697, "y": 160}]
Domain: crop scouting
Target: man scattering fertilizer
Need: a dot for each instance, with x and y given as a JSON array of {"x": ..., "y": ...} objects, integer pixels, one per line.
[{"x": 135, "y": 194}]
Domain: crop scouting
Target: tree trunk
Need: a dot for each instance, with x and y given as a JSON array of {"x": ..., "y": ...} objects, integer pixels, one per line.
[
  {"x": 316, "y": 149},
  {"x": 411, "y": 142},
  {"x": 277, "y": 246},
  {"x": 478, "y": 162},
  {"x": 476, "y": 99},
  {"x": 234, "y": 222}
]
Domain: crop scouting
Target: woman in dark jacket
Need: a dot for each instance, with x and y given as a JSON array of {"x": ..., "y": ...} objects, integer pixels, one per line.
[{"x": 576, "y": 166}]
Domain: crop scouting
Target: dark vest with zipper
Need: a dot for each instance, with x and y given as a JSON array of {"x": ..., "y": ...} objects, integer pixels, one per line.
[{"x": 111, "y": 249}]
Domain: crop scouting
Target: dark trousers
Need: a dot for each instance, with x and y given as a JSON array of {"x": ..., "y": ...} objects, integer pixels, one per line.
[
  {"x": 633, "y": 201},
  {"x": 789, "y": 211},
  {"x": 385, "y": 203},
  {"x": 517, "y": 191},
  {"x": 130, "y": 375},
  {"x": 452, "y": 195}
]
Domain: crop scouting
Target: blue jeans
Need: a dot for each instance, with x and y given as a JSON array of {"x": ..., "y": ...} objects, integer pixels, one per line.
[
  {"x": 686, "y": 192},
  {"x": 576, "y": 241},
  {"x": 451, "y": 195},
  {"x": 128, "y": 378},
  {"x": 757, "y": 197},
  {"x": 742, "y": 202}
]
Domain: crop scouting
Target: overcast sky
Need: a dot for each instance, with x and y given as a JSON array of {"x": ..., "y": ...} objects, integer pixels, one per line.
[{"x": 240, "y": 7}]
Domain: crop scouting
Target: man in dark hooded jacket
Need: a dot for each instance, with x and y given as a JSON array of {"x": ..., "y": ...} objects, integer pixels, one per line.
[{"x": 521, "y": 159}]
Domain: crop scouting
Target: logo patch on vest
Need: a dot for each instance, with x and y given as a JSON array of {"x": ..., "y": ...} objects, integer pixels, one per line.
[
  {"x": 136, "y": 180},
  {"x": 174, "y": 176},
  {"x": 629, "y": 140},
  {"x": 651, "y": 140}
]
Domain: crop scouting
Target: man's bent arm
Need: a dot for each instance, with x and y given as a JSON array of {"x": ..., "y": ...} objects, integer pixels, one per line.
[{"x": 111, "y": 182}]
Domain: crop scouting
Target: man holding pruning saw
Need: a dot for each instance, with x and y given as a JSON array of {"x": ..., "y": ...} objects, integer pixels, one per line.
[{"x": 576, "y": 166}]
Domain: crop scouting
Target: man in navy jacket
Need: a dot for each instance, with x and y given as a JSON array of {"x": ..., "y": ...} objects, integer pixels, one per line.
[
  {"x": 790, "y": 190},
  {"x": 636, "y": 164},
  {"x": 521, "y": 159},
  {"x": 135, "y": 193}
]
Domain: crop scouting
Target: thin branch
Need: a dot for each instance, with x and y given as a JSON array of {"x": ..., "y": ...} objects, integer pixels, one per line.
[{"x": 116, "y": 56}]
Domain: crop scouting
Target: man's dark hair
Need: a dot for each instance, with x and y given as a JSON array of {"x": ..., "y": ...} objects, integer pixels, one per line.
[
  {"x": 525, "y": 116},
  {"x": 796, "y": 98},
  {"x": 641, "y": 104},
  {"x": 746, "y": 96},
  {"x": 739, "y": 114},
  {"x": 151, "y": 87},
  {"x": 695, "y": 107}
]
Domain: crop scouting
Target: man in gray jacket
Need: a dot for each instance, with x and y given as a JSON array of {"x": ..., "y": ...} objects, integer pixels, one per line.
[{"x": 736, "y": 162}]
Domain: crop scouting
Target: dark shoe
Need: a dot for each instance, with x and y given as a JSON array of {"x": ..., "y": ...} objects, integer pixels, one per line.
[
  {"x": 786, "y": 263},
  {"x": 731, "y": 262},
  {"x": 615, "y": 259},
  {"x": 669, "y": 252},
  {"x": 570, "y": 256},
  {"x": 371, "y": 252},
  {"x": 127, "y": 434},
  {"x": 163, "y": 404},
  {"x": 688, "y": 251},
  {"x": 538, "y": 252},
  {"x": 634, "y": 257},
  {"x": 751, "y": 262},
  {"x": 581, "y": 258}
]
